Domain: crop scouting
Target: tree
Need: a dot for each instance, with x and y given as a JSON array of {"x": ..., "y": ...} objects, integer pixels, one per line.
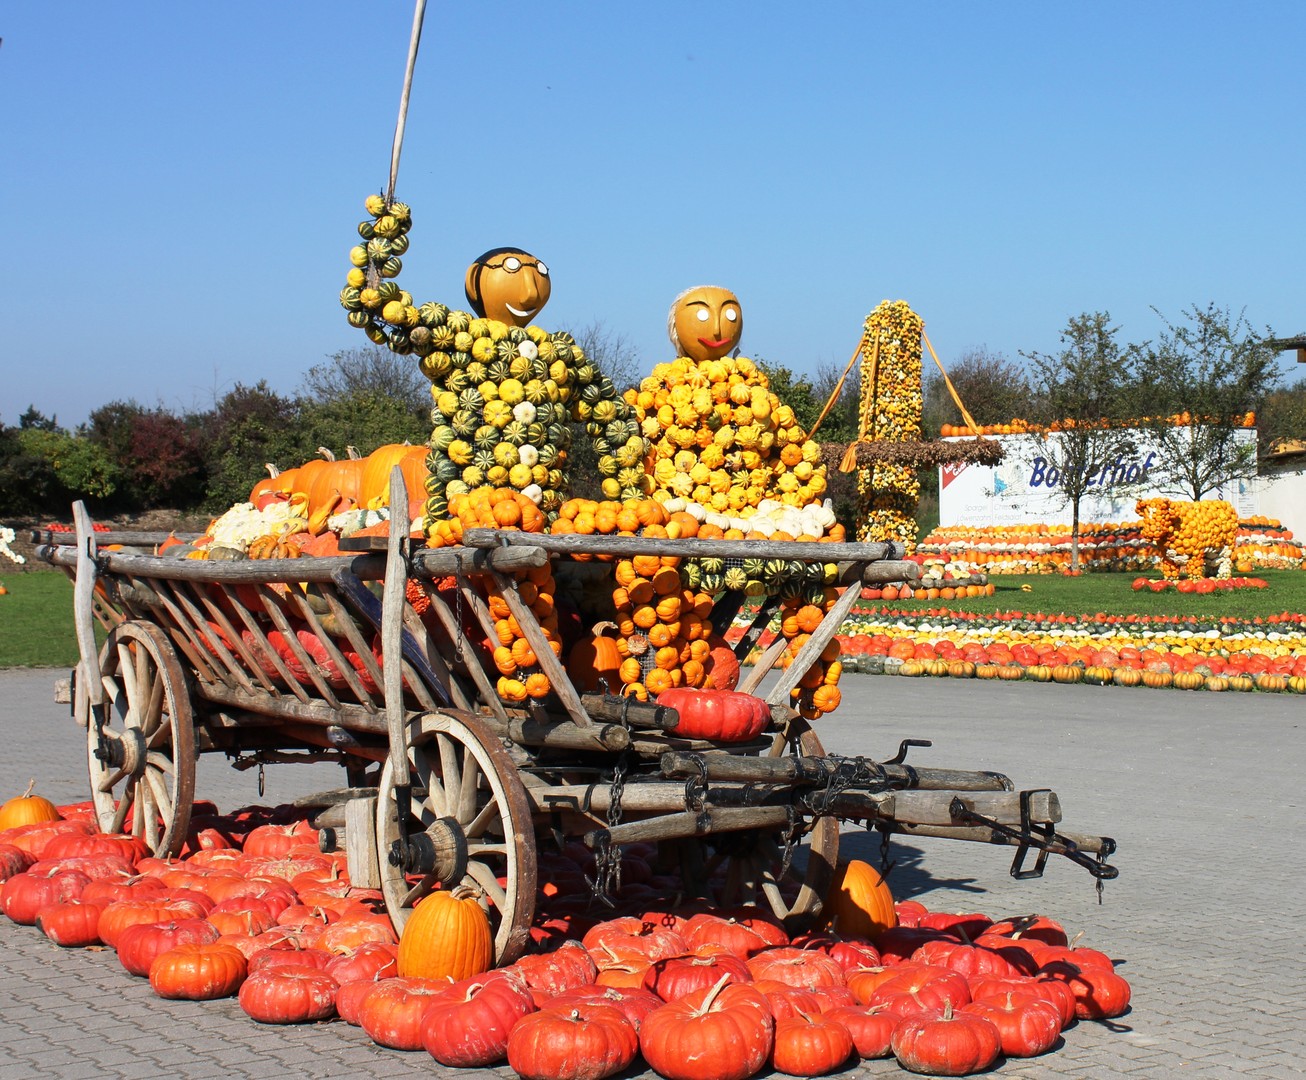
[
  {"x": 1207, "y": 373},
  {"x": 372, "y": 371},
  {"x": 611, "y": 352},
  {"x": 1282, "y": 417},
  {"x": 1078, "y": 393},
  {"x": 155, "y": 450},
  {"x": 363, "y": 419},
  {"x": 994, "y": 389},
  {"x": 249, "y": 426}
]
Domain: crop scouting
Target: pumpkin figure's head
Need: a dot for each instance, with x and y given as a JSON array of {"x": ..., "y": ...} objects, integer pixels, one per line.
[
  {"x": 509, "y": 285},
  {"x": 705, "y": 322}
]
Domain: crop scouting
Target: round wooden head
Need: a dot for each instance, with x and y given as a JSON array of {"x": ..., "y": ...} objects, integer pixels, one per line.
[
  {"x": 509, "y": 285},
  {"x": 705, "y": 323}
]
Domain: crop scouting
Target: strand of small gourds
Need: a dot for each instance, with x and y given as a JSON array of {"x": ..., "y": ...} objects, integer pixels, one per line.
[{"x": 890, "y": 409}]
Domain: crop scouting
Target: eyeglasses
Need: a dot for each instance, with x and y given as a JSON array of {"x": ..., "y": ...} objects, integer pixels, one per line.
[{"x": 512, "y": 264}]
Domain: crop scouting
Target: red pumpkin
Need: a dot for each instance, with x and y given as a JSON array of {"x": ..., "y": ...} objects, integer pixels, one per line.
[
  {"x": 548, "y": 974},
  {"x": 1035, "y": 927},
  {"x": 811, "y": 1045},
  {"x": 631, "y": 936},
  {"x": 954, "y": 1044},
  {"x": 718, "y": 715},
  {"x": 468, "y": 1026},
  {"x": 723, "y": 1034},
  {"x": 678, "y": 976},
  {"x": 74, "y": 924},
  {"x": 139, "y": 945},
  {"x": 923, "y": 990},
  {"x": 730, "y": 934},
  {"x": 288, "y": 995},
  {"x": 871, "y": 1028},
  {"x": 373, "y": 960},
  {"x": 391, "y": 1012},
  {"x": 970, "y": 960},
  {"x": 634, "y": 1003},
  {"x": 803, "y": 968},
  {"x": 277, "y": 841},
  {"x": 582, "y": 1042},
  {"x": 1027, "y": 1025},
  {"x": 198, "y": 971},
  {"x": 13, "y": 860},
  {"x": 24, "y": 895},
  {"x": 1099, "y": 995}
]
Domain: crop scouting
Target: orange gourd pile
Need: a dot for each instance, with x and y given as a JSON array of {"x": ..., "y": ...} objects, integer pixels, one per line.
[
  {"x": 818, "y": 691},
  {"x": 520, "y": 675},
  {"x": 663, "y": 627}
]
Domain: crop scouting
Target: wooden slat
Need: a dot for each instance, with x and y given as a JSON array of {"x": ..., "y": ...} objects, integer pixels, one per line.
[
  {"x": 810, "y": 653},
  {"x": 83, "y": 598}
]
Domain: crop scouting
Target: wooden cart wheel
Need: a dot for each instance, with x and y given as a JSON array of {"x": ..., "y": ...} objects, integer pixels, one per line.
[
  {"x": 468, "y": 823},
  {"x": 141, "y": 741},
  {"x": 750, "y": 866}
]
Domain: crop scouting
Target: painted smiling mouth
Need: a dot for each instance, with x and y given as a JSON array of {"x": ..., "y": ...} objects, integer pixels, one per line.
[
  {"x": 711, "y": 344},
  {"x": 519, "y": 312}
]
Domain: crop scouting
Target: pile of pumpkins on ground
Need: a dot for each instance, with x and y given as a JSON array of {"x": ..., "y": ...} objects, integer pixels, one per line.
[{"x": 253, "y": 910}]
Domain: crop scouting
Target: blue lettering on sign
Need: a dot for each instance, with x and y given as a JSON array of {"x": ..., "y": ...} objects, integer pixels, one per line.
[{"x": 1045, "y": 474}]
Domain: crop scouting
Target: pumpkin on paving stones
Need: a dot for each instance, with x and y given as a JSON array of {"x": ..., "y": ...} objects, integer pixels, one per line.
[
  {"x": 468, "y": 1027},
  {"x": 954, "y": 1044},
  {"x": 859, "y": 903},
  {"x": 139, "y": 945},
  {"x": 447, "y": 936},
  {"x": 580, "y": 1042},
  {"x": 28, "y": 809},
  {"x": 719, "y": 715},
  {"x": 1027, "y": 1025},
  {"x": 73, "y": 924},
  {"x": 198, "y": 971},
  {"x": 391, "y": 1011},
  {"x": 288, "y": 995},
  {"x": 811, "y": 1045},
  {"x": 725, "y": 1033}
]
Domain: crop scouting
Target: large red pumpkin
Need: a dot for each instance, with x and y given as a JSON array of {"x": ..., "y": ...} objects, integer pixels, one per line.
[
  {"x": 468, "y": 1027},
  {"x": 954, "y": 1044},
  {"x": 288, "y": 995},
  {"x": 581, "y": 1042},
  {"x": 139, "y": 945},
  {"x": 811, "y": 1045},
  {"x": 719, "y": 715},
  {"x": 723, "y": 1034},
  {"x": 198, "y": 971}
]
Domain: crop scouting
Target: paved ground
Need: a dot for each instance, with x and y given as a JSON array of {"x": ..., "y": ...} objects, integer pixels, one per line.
[{"x": 1202, "y": 791}]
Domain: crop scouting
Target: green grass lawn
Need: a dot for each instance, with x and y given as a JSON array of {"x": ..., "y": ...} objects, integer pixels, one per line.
[
  {"x": 1113, "y": 594},
  {"x": 36, "y": 617},
  {"x": 36, "y": 621}
]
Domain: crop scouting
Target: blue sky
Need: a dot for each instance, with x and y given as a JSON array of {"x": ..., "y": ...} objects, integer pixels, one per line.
[{"x": 181, "y": 182}]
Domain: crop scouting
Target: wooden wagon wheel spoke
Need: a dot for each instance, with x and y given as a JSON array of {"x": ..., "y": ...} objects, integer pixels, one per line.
[
  {"x": 141, "y": 741},
  {"x": 472, "y": 824},
  {"x": 467, "y": 790},
  {"x": 484, "y": 877},
  {"x": 488, "y": 814}
]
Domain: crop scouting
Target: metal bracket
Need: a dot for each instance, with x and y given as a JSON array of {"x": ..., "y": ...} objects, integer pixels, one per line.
[
  {"x": 903, "y": 747},
  {"x": 1040, "y": 836}
]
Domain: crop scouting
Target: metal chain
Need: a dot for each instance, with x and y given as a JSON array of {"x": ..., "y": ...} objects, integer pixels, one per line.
[
  {"x": 791, "y": 840},
  {"x": 885, "y": 865},
  {"x": 458, "y": 608},
  {"x": 616, "y": 789}
]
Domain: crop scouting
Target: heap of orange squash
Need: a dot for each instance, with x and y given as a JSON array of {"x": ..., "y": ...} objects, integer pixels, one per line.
[{"x": 817, "y": 692}]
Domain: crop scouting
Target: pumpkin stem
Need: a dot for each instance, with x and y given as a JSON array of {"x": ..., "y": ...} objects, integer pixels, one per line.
[
  {"x": 706, "y": 1007},
  {"x": 326, "y": 453},
  {"x": 30, "y": 785},
  {"x": 947, "y": 1010},
  {"x": 353, "y": 453},
  {"x": 273, "y": 470}
]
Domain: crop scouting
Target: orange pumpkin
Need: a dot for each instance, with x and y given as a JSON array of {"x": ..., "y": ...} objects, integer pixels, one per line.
[
  {"x": 28, "y": 809},
  {"x": 447, "y": 936},
  {"x": 594, "y": 663},
  {"x": 860, "y": 903}
]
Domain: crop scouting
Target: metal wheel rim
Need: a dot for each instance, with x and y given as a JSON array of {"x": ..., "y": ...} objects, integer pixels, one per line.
[
  {"x": 468, "y": 776},
  {"x": 146, "y": 720}
]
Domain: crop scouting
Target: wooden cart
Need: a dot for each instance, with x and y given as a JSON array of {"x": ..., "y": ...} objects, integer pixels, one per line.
[{"x": 313, "y": 659}]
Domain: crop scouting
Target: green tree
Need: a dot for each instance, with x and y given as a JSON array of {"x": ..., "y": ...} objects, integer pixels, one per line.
[
  {"x": 1079, "y": 393},
  {"x": 1282, "y": 417},
  {"x": 369, "y": 372},
  {"x": 248, "y": 427},
  {"x": 363, "y": 419},
  {"x": 156, "y": 453},
  {"x": 1211, "y": 370}
]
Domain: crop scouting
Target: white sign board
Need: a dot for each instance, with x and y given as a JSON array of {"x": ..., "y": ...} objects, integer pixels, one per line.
[{"x": 1024, "y": 489}]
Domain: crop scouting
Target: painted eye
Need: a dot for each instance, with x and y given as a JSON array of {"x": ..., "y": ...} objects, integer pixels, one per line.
[
  {"x": 544, "y": 270},
  {"x": 732, "y": 314},
  {"x": 702, "y": 315},
  {"x": 512, "y": 264}
]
